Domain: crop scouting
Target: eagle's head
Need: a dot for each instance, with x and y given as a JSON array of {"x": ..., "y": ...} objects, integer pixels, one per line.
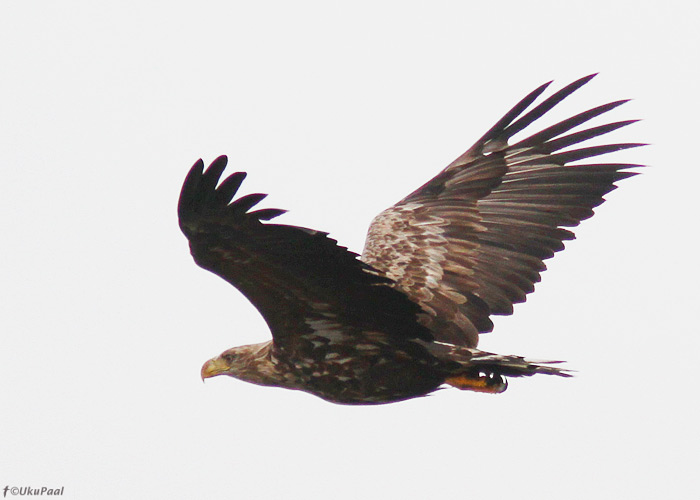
[{"x": 251, "y": 363}]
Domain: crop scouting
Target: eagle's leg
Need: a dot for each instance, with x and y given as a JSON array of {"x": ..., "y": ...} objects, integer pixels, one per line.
[{"x": 480, "y": 382}]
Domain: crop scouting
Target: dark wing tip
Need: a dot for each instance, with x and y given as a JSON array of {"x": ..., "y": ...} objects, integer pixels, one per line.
[
  {"x": 267, "y": 213},
  {"x": 538, "y": 111},
  {"x": 245, "y": 203},
  {"x": 190, "y": 189},
  {"x": 586, "y": 79},
  {"x": 200, "y": 197},
  {"x": 512, "y": 122},
  {"x": 512, "y": 114},
  {"x": 217, "y": 167}
]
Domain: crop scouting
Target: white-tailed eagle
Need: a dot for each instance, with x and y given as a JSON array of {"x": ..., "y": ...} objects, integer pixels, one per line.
[{"x": 404, "y": 318}]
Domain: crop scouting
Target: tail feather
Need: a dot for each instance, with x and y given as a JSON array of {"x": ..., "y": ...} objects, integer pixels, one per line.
[
  {"x": 514, "y": 366},
  {"x": 476, "y": 370}
]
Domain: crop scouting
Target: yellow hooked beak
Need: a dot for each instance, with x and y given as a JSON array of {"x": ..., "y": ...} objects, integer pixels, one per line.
[{"x": 214, "y": 367}]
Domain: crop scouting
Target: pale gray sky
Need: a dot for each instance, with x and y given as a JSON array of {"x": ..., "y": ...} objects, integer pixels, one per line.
[{"x": 337, "y": 110}]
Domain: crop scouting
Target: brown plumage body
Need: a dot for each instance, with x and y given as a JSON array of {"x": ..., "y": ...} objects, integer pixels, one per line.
[{"x": 405, "y": 317}]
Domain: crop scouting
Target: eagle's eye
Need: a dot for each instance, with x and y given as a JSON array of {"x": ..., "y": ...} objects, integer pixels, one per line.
[{"x": 228, "y": 358}]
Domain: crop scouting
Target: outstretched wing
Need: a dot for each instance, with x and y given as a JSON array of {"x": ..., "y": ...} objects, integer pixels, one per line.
[
  {"x": 471, "y": 242},
  {"x": 299, "y": 279}
]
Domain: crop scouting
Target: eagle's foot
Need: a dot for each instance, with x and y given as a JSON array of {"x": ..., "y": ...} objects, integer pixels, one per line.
[{"x": 482, "y": 382}]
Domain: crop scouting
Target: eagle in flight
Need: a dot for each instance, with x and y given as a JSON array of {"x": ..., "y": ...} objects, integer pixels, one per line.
[{"x": 404, "y": 318}]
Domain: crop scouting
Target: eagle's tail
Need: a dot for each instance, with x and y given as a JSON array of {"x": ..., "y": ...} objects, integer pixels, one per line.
[{"x": 475, "y": 370}]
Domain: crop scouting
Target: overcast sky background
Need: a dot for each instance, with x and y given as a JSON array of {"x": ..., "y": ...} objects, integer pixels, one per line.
[{"x": 338, "y": 111}]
